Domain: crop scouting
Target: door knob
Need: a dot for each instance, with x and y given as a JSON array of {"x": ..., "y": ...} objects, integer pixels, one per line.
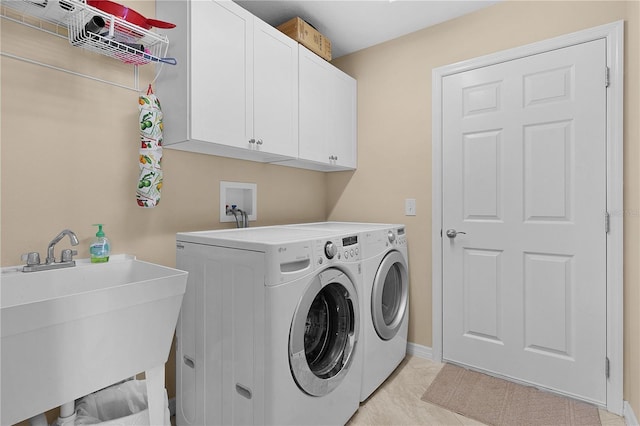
[{"x": 451, "y": 233}]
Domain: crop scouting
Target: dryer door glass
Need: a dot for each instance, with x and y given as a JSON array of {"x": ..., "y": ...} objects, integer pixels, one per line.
[
  {"x": 324, "y": 332},
  {"x": 390, "y": 295}
]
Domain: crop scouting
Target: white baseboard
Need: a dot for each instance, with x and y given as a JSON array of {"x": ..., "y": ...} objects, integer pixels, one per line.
[
  {"x": 420, "y": 351},
  {"x": 630, "y": 418}
]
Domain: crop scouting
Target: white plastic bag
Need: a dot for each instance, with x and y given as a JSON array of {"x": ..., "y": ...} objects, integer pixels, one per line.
[{"x": 121, "y": 404}]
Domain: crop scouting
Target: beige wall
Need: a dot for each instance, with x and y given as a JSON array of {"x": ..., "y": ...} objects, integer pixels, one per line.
[
  {"x": 70, "y": 159},
  {"x": 394, "y": 135}
]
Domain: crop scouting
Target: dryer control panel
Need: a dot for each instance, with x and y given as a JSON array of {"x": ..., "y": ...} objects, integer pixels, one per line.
[
  {"x": 341, "y": 248},
  {"x": 399, "y": 237}
]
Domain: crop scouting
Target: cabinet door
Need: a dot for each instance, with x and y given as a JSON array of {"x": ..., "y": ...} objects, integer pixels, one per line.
[
  {"x": 313, "y": 107},
  {"x": 221, "y": 86},
  {"x": 275, "y": 91},
  {"x": 327, "y": 112},
  {"x": 343, "y": 109}
]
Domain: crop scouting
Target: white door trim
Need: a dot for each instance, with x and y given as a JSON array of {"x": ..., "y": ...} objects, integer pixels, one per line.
[{"x": 614, "y": 35}]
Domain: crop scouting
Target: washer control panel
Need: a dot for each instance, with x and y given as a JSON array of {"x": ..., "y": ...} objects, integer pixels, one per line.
[
  {"x": 344, "y": 248},
  {"x": 330, "y": 249}
]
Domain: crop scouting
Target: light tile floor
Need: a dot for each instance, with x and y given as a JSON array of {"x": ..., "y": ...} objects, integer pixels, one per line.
[{"x": 397, "y": 401}]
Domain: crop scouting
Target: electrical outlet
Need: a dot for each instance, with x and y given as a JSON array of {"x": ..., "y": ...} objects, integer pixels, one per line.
[{"x": 410, "y": 207}]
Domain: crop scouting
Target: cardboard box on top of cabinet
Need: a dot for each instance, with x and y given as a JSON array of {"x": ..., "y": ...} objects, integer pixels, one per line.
[{"x": 305, "y": 34}]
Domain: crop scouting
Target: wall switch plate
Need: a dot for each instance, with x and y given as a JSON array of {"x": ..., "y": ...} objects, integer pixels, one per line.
[{"x": 410, "y": 207}]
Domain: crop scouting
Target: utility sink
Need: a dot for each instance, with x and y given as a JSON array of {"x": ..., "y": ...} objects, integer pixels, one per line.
[{"x": 70, "y": 332}]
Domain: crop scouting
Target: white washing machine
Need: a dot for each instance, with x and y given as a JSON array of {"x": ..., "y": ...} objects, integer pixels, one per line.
[
  {"x": 269, "y": 328},
  {"x": 384, "y": 297}
]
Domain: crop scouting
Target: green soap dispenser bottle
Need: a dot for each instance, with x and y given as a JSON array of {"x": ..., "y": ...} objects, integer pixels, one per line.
[{"x": 100, "y": 247}]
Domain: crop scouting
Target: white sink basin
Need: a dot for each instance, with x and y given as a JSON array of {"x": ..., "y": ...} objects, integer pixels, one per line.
[{"x": 69, "y": 332}]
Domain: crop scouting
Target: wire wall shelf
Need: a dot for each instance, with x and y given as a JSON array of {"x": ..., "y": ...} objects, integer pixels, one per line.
[
  {"x": 89, "y": 28},
  {"x": 43, "y": 15}
]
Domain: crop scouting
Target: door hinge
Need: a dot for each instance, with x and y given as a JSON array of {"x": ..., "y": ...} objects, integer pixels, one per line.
[
  {"x": 606, "y": 77},
  {"x": 606, "y": 222},
  {"x": 606, "y": 367}
]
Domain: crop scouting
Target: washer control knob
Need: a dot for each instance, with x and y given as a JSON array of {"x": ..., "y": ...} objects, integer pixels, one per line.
[
  {"x": 391, "y": 236},
  {"x": 330, "y": 250}
]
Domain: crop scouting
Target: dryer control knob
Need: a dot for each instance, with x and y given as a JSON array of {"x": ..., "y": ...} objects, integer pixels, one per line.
[
  {"x": 330, "y": 250},
  {"x": 392, "y": 236}
]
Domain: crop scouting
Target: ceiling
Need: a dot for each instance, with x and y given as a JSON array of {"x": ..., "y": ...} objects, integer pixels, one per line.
[{"x": 352, "y": 25}]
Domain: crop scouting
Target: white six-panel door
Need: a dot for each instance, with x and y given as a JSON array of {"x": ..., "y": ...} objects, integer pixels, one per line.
[{"x": 524, "y": 177}]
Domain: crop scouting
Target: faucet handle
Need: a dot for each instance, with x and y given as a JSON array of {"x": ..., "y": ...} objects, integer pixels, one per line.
[
  {"x": 32, "y": 258},
  {"x": 67, "y": 255}
]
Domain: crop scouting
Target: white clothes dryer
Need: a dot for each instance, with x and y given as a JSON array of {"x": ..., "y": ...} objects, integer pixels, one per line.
[
  {"x": 384, "y": 300},
  {"x": 385, "y": 270},
  {"x": 269, "y": 328}
]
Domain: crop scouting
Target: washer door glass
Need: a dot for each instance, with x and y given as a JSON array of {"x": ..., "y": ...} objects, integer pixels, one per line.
[
  {"x": 324, "y": 332},
  {"x": 390, "y": 295}
]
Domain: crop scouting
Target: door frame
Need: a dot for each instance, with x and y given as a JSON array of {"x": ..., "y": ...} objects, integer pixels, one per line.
[{"x": 613, "y": 34}]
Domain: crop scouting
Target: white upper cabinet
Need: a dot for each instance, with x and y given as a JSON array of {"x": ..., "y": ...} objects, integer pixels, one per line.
[
  {"x": 220, "y": 81},
  {"x": 243, "y": 89},
  {"x": 343, "y": 109},
  {"x": 234, "y": 91},
  {"x": 328, "y": 96},
  {"x": 275, "y": 94}
]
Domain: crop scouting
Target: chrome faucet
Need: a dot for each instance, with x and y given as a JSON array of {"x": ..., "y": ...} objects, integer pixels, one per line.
[
  {"x": 66, "y": 259},
  {"x": 51, "y": 258}
]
